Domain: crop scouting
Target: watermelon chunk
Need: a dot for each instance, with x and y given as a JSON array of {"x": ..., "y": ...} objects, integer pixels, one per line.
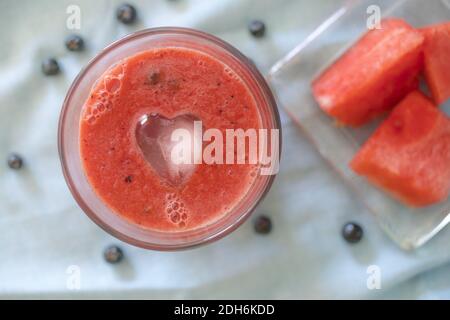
[
  {"x": 437, "y": 60},
  {"x": 373, "y": 75},
  {"x": 409, "y": 154}
]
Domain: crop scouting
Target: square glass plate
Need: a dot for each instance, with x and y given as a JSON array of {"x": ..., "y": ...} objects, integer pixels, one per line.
[{"x": 291, "y": 77}]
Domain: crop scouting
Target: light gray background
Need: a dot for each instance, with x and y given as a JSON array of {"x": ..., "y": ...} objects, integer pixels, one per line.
[{"x": 43, "y": 232}]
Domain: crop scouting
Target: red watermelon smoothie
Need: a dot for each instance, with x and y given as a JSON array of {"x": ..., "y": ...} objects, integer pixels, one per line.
[{"x": 115, "y": 143}]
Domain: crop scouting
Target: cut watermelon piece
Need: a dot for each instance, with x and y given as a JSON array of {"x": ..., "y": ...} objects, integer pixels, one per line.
[
  {"x": 437, "y": 60},
  {"x": 373, "y": 75},
  {"x": 409, "y": 154}
]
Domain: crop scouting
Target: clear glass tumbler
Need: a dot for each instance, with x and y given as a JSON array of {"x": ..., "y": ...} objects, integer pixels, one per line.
[{"x": 69, "y": 149}]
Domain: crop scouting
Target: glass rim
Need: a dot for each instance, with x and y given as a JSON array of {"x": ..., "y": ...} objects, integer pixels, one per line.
[{"x": 221, "y": 232}]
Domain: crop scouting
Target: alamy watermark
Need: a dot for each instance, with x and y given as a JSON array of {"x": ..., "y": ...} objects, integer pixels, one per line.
[
  {"x": 374, "y": 19},
  {"x": 73, "y": 280},
  {"x": 73, "y": 21},
  {"x": 238, "y": 146},
  {"x": 374, "y": 277}
]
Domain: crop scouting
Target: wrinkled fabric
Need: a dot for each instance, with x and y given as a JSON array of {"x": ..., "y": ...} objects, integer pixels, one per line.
[{"x": 43, "y": 233}]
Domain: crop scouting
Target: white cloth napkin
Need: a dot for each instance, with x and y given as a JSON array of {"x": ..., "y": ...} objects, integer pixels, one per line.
[{"x": 44, "y": 235}]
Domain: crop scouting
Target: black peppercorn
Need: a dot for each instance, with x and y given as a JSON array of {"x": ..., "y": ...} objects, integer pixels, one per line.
[
  {"x": 263, "y": 225},
  {"x": 50, "y": 67},
  {"x": 113, "y": 254},
  {"x": 15, "y": 161},
  {"x": 126, "y": 13},
  {"x": 74, "y": 43},
  {"x": 352, "y": 232},
  {"x": 257, "y": 28}
]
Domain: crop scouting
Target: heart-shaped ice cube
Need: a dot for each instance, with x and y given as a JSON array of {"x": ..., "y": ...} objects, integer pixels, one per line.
[{"x": 154, "y": 137}]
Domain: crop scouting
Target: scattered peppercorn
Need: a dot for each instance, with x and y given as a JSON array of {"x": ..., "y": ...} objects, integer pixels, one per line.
[
  {"x": 74, "y": 43},
  {"x": 129, "y": 179},
  {"x": 50, "y": 67},
  {"x": 126, "y": 13},
  {"x": 352, "y": 232},
  {"x": 257, "y": 28},
  {"x": 263, "y": 225},
  {"x": 113, "y": 254},
  {"x": 15, "y": 161}
]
